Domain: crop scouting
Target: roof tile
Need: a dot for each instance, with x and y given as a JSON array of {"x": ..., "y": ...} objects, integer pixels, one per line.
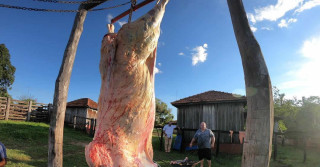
[
  {"x": 83, "y": 102},
  {"x": 210, "y": 97}
]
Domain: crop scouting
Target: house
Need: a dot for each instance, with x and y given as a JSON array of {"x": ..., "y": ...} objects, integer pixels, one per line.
[
  {"x": 84, "y": 109},
  {"x": 220, "y": 110}
]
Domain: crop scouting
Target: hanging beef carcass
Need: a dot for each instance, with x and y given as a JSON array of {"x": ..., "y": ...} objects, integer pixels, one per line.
[{"x": 126, "y": 115}]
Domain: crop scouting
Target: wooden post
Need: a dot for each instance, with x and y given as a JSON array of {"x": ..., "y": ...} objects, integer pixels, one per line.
[
  {"x": 304, "y": 150},
  {"x": 161, "y": 140},
  {"x": 182, "y": 141},
  {"x": 91, "y": 126},
  {"x": 218, "y": 144},
  {"x": 275, "y": 150},
  {"x": 49, "y": 111},
  {"x": 74, "y": 121},
  {"x": 259, "y": 126},
  {"x": 55, "y": 150},
  {"x": 29, "y": 110},
  {"x": 95, "y": 125},
  {"x": 8, "y": 108}
]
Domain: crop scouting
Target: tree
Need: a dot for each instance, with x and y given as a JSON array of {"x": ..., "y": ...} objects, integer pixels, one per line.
[
  {"x": 308, "y": 117},
  {"x": 285, "y": 109},
  {"x": 297, "y": 116},
  {"x": 259, "y": 126},
  {"x": 163, "y": 113},
  {"x": 28, "y": 98},
  {"x": 7, "y": 71}
]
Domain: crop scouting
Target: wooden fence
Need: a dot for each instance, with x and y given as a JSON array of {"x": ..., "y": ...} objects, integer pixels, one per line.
[
  {"x": 82, "y": 123},
  {"x": 11, "y": 109}
]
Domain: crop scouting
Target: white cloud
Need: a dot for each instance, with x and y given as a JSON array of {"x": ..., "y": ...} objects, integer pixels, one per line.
[
  {"x": 250, "y": 16},
  {"x": 284, "y": 23},
  {"x": 109, "y": 18},
  {"x": 121, "y": 23},
  {"x": 266, "y": 28},
  {"x": 274, "y": 12},
  {"x": 199, "y": 54},
  {"x": 304, "y": 80},
  {"x": 160, "y": 44},
  {"x": 253, "y": 29},
  {"x": 157, "y": 70},
  {"x": 308, "y": 5},
  {"x": 181, "y": 53},
  {"x": 159, "y": 64},
  {"x": 292, "y": 20}
]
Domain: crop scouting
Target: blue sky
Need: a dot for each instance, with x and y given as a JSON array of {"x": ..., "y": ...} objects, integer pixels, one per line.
[{"x": 197, "y": 50}]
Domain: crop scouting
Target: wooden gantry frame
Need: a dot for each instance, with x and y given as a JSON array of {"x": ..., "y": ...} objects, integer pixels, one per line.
[{"x": 259, "y": 127}]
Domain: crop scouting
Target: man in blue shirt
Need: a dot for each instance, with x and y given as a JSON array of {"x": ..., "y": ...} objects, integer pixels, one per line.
[
  {"x": 3, "y": 155},
  {"x": 205, "y": 139}
]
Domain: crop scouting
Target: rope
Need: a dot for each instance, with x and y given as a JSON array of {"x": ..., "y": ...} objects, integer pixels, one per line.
[
  {"x": 133, "y": 3},
  {"x": 57, "y": 10}
]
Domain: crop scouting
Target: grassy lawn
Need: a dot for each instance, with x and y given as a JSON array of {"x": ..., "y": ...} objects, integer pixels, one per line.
[{"x": 27, "y": 145}]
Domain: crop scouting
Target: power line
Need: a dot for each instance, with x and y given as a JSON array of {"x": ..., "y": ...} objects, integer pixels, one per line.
[{"x": 58, "y": 10}]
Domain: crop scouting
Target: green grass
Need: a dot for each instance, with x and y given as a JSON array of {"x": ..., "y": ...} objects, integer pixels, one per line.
[
  {"x": 27, "y": 146},
  {"x": 163, "y": 158}
]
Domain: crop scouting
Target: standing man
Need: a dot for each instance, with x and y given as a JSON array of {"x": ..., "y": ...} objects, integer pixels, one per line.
[
  {"x": 205, "y": 139},
  {"x": 3, "y": 155},
  {"x": 168, "y": 131}
]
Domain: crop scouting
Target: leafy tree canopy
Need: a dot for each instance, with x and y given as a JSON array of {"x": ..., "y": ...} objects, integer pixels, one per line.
[
  {"x": 297, "y": 115},
  {"x": 28, "y": 98},
  {"x": 163, "y": 113},
  {"x": 7, "y": 71}
]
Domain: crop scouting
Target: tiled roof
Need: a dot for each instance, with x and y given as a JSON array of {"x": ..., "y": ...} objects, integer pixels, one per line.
[
  {"x": 210, "y": 97},
  {"x": 84, "y": 102}
]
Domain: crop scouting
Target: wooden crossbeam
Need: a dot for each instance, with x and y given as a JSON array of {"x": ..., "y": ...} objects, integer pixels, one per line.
[{"x": 136, "y": 7}]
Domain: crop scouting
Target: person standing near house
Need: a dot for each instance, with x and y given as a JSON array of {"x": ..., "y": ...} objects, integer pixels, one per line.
[
  {"x": 3, "y": 155},
  {"x": 168, "y": 132},
  {"x": 205, "y": 139}
]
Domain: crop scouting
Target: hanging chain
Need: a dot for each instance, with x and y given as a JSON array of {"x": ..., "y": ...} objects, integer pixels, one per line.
[
  {"x": 69, "y": 2},
  {"x": 57, "y": 10},
  {"x": 133, "y": 3}
]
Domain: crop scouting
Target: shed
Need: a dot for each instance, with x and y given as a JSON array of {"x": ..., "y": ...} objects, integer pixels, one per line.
[
  {"x": 83, "y": 109},
  {"x": 220, "y": 110}
]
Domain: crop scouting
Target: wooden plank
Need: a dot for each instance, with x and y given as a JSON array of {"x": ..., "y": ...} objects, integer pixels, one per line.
[
  {"x": 40, "y": 104},
  {"x": 18, "y": 109},
  {"x": 29, "y": 110},
  {"x": 8, "y": 108},
  {"x": 18, "y": 101},
  {"x": 19, "y": 105}
]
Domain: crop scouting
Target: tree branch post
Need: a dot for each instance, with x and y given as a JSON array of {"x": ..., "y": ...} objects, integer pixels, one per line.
[
  {"x": 55, "y": 152},
  {"x": 57, "y": 116},
  {"x": 259, "y": 126}
]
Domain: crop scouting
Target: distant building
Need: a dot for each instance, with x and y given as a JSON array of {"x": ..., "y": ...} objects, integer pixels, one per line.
[
  {"x": 83, "y": 109},
  {"x": 220, "y": 110}
]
